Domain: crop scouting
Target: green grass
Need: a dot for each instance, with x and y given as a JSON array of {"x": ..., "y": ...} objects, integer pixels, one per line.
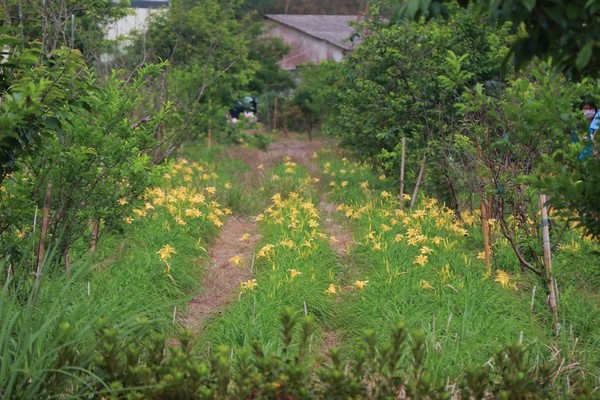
[
  {"x": 50, "y": 324},
  {"x": 292, "y": 241},
  {"x": 463, "y": 313}
]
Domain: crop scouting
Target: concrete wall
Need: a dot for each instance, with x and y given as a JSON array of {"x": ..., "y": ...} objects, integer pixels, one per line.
[
  {"x": 303, "y": 48},
  {"x": 136, "y": 21}
]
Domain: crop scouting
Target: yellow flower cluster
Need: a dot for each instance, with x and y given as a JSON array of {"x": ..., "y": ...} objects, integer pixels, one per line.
[{"x": 183, "y": 204}]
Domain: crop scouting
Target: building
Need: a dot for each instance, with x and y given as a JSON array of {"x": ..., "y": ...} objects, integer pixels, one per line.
[
  {"x": 313, "y": 38},
  {"x": 141, "y": 10}
]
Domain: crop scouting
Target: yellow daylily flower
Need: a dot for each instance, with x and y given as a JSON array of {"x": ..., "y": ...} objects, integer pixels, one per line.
[
  {"x": 425, "y": 250},
  {"x": 331, "y": 289},
  {"x": 425, "y": 284},
  {"x": 250, "y": 284},
  {"x": 165, "y": 252},
  {"x": 504, "y": 279},
  {"x": 245, "y": 238},
  {"x": 360, "y": 284},
  {"x": 236, "y": 260},
  {"x": 421, "y": 260},
  {"x": 294, "y": 273},
  {"x": 288, "y": 243}
]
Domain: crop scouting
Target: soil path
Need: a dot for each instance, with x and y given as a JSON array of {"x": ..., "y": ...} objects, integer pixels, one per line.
[{"x": 222, "y": 278}]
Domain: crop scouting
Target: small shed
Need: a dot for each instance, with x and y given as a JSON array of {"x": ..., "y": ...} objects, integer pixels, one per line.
[{"x": 313, "y": 38}]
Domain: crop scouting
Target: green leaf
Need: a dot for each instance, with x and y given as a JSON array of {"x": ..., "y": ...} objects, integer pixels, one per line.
[
  {"x": 584, "y": 55},
  {"x": 413, "y": 7},
  {"x": 52, "y": 123},
  {"x": 529, "y": 4}
]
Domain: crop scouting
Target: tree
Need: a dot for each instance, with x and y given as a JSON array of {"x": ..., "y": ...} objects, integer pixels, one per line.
[
  {"x": 567, "y": 31},
  {"x": 567, "y": 34}
]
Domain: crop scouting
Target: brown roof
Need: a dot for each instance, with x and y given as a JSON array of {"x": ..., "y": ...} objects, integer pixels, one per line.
[{"x": 334, "y": 29}]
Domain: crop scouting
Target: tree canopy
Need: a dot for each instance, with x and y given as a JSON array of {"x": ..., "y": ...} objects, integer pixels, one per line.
[{"x": 568, "y": 31}]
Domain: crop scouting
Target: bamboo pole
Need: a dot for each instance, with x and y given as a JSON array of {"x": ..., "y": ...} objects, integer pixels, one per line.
[
  {"x": 418, "y": 184},
  {"x": 552, "y": 298},
  {"x": 44, "y": 229},
  {"x": 402, "y": 160}
]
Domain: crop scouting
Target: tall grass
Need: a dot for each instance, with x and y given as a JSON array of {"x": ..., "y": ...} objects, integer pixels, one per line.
[
  {"x": 50, "y": 322},
  {"x": 423, "y": 267}
]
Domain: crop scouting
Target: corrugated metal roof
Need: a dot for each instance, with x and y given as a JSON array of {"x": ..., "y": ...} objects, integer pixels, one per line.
[
  {"x": 334, "y": 29},
  {"x": 149, "y": 3}
]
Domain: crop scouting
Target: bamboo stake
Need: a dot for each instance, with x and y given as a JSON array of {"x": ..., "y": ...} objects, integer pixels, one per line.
[
  {"x": 402, "y": 160},
  {"x": 552, "y": 299},
  {"x": 418, "y": 184},
  {"x": 44, "y": 228}
]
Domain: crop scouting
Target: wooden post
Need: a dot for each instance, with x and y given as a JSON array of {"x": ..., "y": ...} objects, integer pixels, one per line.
[
  {"x": 44, "y": 229},
  {"x": 67, "y": 256},
  {"x": 552, "y": 298},
  {"x": 209, "y": 123},
  {"x": 485, "y": 227},
  {"x": 402, "y": 160},
  {"x": 418, "y": 184},
  {"x": 275, "y": 114},
  {"x": 95, "y": 229}
]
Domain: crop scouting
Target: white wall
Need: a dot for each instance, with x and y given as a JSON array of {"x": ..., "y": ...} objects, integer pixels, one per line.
[{"x": 136, "y": 21}]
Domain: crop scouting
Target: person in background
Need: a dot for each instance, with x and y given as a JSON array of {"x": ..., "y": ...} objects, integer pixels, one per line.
[{"x": 591, "y": 112}]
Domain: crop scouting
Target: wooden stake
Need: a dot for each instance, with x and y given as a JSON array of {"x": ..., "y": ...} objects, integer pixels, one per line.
[
  {"x": 552, "y": 298},
  {"x": 67, "y": 255},
  {"x": 418, "y": 184},
  {"x": 275, "y": 114},
  {"x": 402, "y": 160},
  {"x": 209, "y": 123},
  {"x": 95, "y": 229},
  {"x": 44, "y": 229},
  {"x": 486, "y": 235}
]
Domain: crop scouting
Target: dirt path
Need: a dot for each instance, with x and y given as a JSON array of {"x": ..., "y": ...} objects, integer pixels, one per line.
[{"x": 222, "y": 278}]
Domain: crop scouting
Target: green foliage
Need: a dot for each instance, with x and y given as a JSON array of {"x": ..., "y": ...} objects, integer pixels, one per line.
[
  {"x": 403, "y": 81},
  {"x": 566, "y": 31},
  {"x": 148, "y": 367},
  {"x": 314, "y": 98},
  {"x": 216, "y": 59},
  {"x": 94, "y": 156},
  {"x": 67, "y": 24},
  {"x": 33, "y": 87}
]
